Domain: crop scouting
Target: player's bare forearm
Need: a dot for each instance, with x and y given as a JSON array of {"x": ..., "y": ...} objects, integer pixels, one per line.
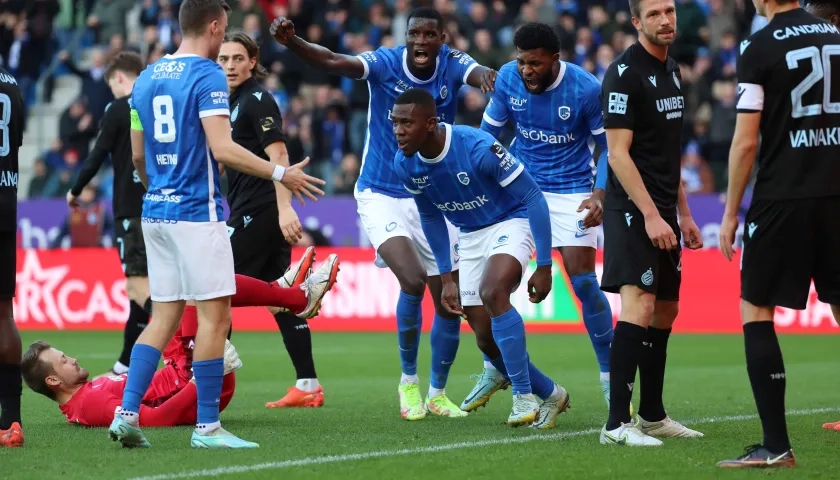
[
  {"x": 325, "y": 59},
  {"x": 682, "y": 203},
  {"x": 228, "y": 152},
  {"x": 278, "y": 155},
  {"x": 618, "y": 143},
  {"x": 741, "y": 159},
  {"x": 482, "y": 78},
  {"x": 138, "y": 156}
]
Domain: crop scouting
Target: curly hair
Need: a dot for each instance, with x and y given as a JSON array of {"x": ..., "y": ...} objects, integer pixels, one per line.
[{"x": 531, "y": 36}]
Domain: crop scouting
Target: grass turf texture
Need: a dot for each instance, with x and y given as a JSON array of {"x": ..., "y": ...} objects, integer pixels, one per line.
[{"x": 358, "y": 434}]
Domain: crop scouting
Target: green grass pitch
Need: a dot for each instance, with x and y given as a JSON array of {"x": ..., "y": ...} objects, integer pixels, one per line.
[{"x": 358, "y": 434}]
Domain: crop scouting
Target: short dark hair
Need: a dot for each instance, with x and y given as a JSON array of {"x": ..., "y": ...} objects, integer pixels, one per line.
[
  {"x": 237, "y": 35},
  {"x": 195, "y": 15},
  {"x": 533, "y": 35},
  {"x": 35, "y": 370},
  {"x": 636, "y": 8},
  {"x": 125, "y": 62},
  {"x": 427, "y": 13},
  {"x": 825, "y": 8},
  {"x": 417, "y": 96}
]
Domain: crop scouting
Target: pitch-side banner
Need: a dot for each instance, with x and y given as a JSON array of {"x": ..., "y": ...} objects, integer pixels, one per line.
[{"x": 84, "y": 289}]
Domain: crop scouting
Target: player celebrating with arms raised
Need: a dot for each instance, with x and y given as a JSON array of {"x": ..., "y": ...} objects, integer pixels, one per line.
[
  {"x": 556, "y": 107},
  {"x": 462, "y": 174},
  {"x": 387, "y": 212},
  {"x": 180, "y": 117},
  {"x": 643, "y": 110},
  {"x": 788, "y": 97}
]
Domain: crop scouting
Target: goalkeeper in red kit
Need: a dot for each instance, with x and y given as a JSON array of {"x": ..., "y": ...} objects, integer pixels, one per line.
[{"x": 170, "y": 400}]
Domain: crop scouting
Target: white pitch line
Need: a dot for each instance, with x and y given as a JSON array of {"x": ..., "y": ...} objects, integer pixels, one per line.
[{"x": 433, "y": 449}]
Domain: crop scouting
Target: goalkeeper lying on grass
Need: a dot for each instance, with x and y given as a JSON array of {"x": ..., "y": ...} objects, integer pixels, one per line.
[{"x": 170, "y": 400}]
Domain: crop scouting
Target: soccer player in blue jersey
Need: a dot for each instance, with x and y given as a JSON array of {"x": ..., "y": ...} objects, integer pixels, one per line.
[
  {"x": 388, "y": 214},
  {"x": 179, "y": 121},
  {"x": 556, "y": 110},
  {"x": 461, "y": 174}
]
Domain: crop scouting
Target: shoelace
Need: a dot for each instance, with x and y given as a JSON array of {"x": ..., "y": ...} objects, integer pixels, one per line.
[{"x": 521, "y": 404}]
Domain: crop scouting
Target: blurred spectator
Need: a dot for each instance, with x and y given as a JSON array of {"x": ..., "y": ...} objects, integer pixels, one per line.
[
  {"x": 695, "y": 172},
  {"x": 95, "y": 91},
  {"x": 77, "y": 127},
  {"x": 345, "y": 179},
  {"x": 85, "y": 225},
  {"x": 39, "y": 181},
  {"x": 108, "y": 18}
]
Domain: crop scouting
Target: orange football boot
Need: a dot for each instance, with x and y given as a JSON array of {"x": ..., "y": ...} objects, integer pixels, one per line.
[
  {"x": 296, "y": 397},
  {"x": 13, "y": 437},
  {"x": 832, "y": 426}
]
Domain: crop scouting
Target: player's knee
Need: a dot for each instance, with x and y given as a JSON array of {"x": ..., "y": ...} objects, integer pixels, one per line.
[
  {"x": 637, "y": 306},
  {"x": 754, "y": 313},
  {"x": 414, "y": 284},
  {"x": 495, "y": 297}
]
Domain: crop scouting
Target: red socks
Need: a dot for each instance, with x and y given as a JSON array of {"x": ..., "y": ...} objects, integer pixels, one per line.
[{"x": 251, "y": 292}]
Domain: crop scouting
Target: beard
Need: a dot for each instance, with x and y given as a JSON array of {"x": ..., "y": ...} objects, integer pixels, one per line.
[
  {"x": 653, "y": 38},
  {"x": 544, "y": 82}
]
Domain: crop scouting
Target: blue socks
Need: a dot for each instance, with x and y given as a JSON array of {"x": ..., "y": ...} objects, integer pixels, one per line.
[
  {"x": 542, "y": 386},
  {"x": 597, "y": 316},
  {"x": 446, "y": 335},
  {"x": 409, "y": 321},
  {"x": 509, "y": 333},
  {"x": 144, "y": 363},
  {"x": 208, "y": 381}
]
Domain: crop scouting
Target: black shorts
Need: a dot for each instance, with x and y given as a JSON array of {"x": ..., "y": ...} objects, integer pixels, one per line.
[
  {"x": 259, "y": 249},
  {"x": 132, "y": 246},
  {"x": 8, "y": 264},
  {"x": 630, "y": 258},
  {"x": 787, "y": 243}
]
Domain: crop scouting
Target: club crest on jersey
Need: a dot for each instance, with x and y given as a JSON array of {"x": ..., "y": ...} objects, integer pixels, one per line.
[
  {"x": 235, "y": 114},
  {"x": 463, "y": 178},
  {"x": 564, "y": 112},
  {"x": 444, "y": 92},
  {"x": 677, "y": 81}
]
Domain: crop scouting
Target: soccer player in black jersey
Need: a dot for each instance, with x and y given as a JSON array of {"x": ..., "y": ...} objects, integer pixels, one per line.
[
  {"x": 261, "y": 247},
  {"x": 827, "y": 10},
  {"x": 787, "y": 95},
  {"x": 11, "y": 138},
  {"x": 114, "y": 139},
  {"x": 645, "y": 211}
]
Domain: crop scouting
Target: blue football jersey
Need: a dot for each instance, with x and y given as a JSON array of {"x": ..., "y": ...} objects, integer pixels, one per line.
[
  {"x": 170, "y": 98},
  {"x": 554, "y": 130},
  {"x": 467, "y": 181},
  {"x": 387, "y": 74}
]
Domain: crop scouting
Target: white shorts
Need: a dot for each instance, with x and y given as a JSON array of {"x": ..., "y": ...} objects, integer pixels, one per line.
[
  {"x": 512, "y": 237},
  {"x": 385, "y": 217},
  {"x": 567, "y": 224},
  {"x": 188, "y": 260}
]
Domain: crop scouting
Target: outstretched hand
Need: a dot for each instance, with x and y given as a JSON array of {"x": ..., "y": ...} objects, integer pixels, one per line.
[{"x": 300, "y": 183}]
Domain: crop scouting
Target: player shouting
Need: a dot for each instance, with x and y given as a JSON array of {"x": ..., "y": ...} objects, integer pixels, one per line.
[
  {"x": 170, "y": 400},
  {"x": 556, "y": 109},
  {"x": 262, "y": 246},
  {"x": 460, "y": 173},
  {"x": 180, "y": 118},
  {"x": 388, "y": 215}
]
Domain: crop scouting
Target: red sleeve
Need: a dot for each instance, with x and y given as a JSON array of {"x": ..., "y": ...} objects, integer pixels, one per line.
[
  {"x": 178, "y": 410},
  {"x": 97, "y": 409}
]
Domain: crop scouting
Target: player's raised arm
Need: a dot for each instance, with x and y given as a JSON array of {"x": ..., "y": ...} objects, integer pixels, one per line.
[
  {"x": 138, "y": 147},
  {"x": 283, "y": 31},
  {"x": 618, "y": 94}
]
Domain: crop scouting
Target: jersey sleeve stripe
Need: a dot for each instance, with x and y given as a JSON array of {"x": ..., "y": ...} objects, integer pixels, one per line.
[
  {"x": 365, "y": 66},
  {"x": 492, "y": 121},
  {"x": 598, "y": 131},
  {"x": 750, "y": 97},
  {"x": 469, "y": 71},
  {"x": 224, "y": 112},
  {"x": 512, "y": 176},
  {"x": 414, "y": 192}
]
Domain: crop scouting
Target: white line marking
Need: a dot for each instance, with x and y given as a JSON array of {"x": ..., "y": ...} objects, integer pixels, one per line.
[{"x": 433, "y": 449}]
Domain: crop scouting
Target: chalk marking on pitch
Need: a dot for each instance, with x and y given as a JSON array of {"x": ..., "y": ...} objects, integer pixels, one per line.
[{"x": 352, "y": 457}]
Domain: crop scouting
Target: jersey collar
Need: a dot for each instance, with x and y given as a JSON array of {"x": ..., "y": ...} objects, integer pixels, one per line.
[
  {"x": 446, "y": 145},
  {"x": 559, "y": 78},
  {"x": 670, "y": 64},
  {"x": 246, "y": 87},
  {"x": 412, "y": 77}
]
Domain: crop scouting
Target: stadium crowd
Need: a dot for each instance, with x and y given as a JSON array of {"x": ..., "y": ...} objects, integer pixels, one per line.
[{"x": 325, "y": 117}]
